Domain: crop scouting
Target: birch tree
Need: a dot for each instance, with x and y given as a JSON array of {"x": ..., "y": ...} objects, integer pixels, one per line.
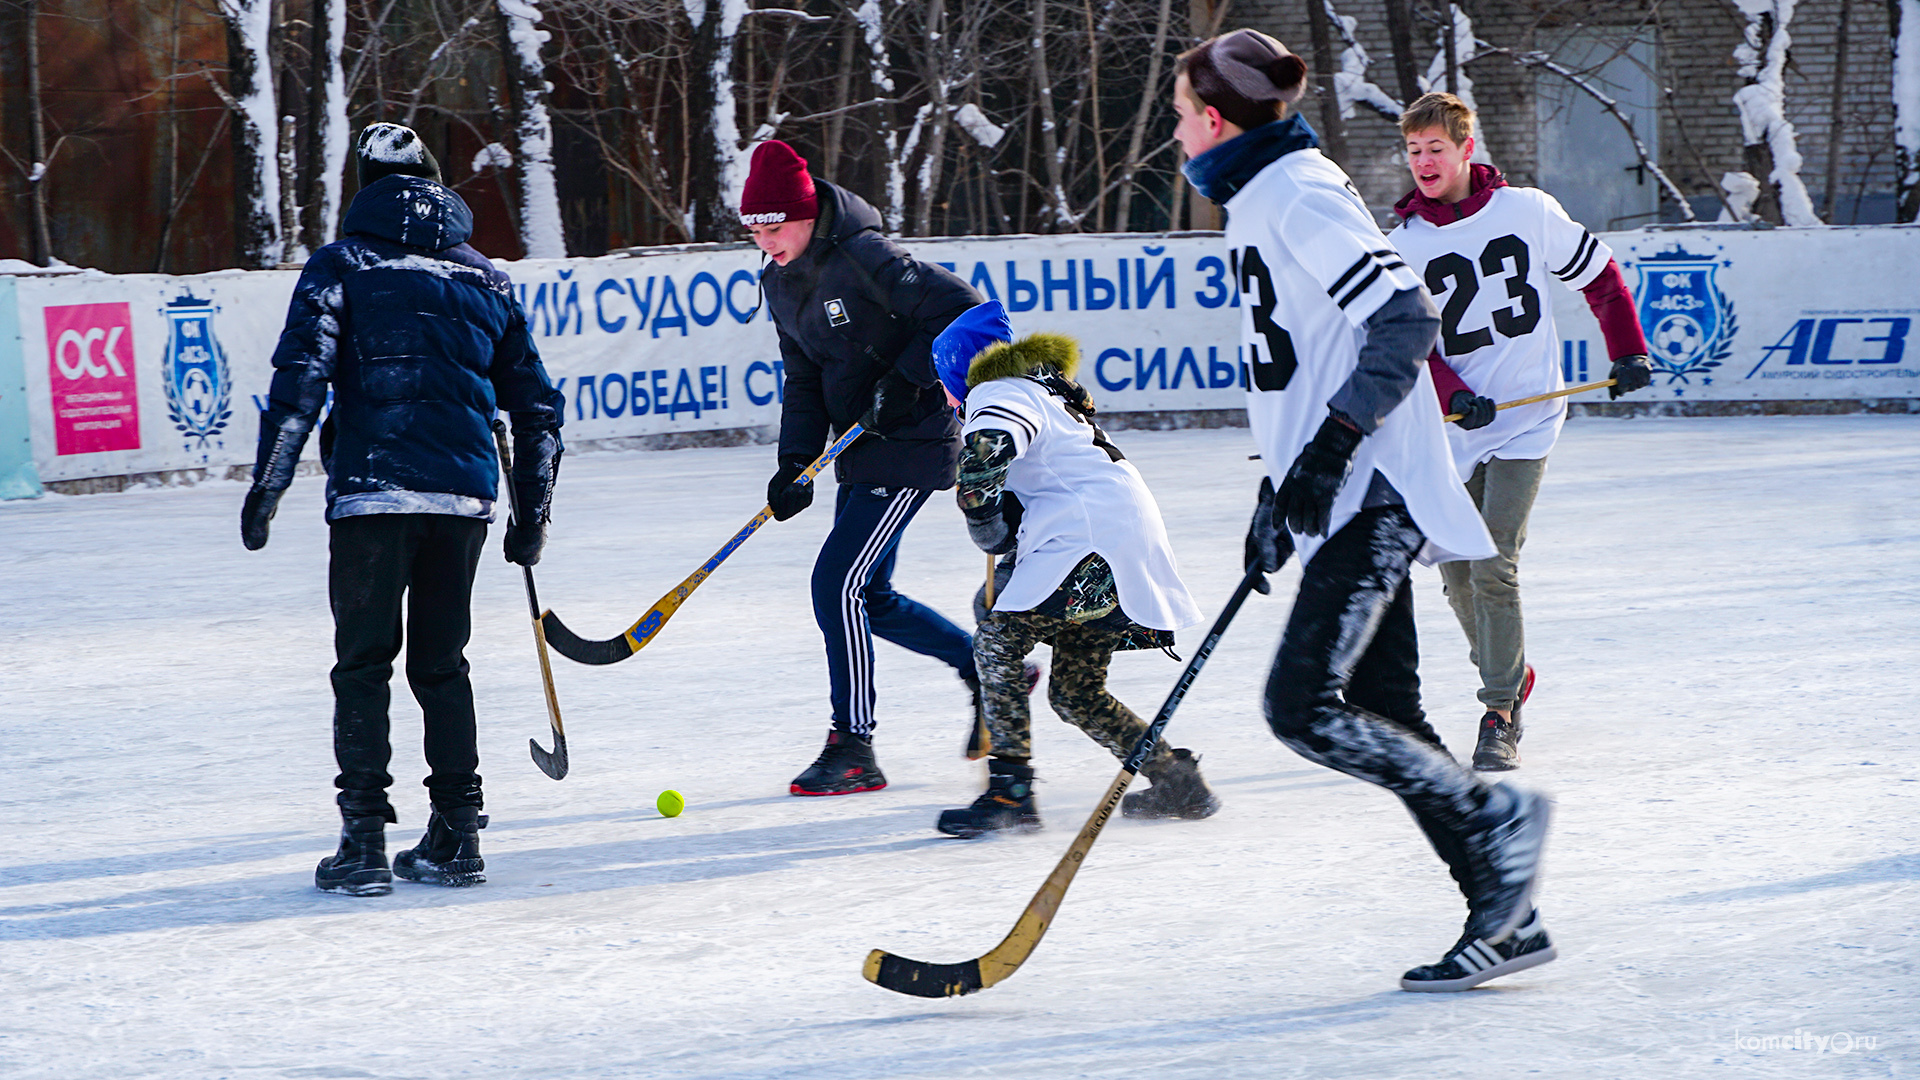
[
  {"x": 256, "y": 132},
  {"x": 541, "y": 234}
]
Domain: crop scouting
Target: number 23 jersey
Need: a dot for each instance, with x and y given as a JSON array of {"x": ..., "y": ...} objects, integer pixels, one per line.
[
  {"x": 1489, "y": 274},
  {"x": 1312, "y": 267}
]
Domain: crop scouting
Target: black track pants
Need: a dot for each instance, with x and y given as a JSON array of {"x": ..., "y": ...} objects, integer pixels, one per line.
[
  {"x": 1345, "y": 687},
  {"x": 376, "y": 560}
]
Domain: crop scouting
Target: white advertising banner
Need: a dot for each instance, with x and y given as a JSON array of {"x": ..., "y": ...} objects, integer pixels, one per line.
[
  {"x": 148, "y": 373},
  {"x": 1738, "y": 314}
]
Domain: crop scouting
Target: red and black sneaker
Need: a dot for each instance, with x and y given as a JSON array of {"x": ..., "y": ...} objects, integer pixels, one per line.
[{"x": 845, "y": 766}]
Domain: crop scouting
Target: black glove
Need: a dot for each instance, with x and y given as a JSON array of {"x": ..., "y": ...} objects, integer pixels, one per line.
[
  {"x": 1629, "y": 373},
  {"x": 282, "y": 434},
  {"x": 536, "y": 468},
  {"x": 995, "y": 526},
  {"x": 524, "y": 543},
  {"x": 786, "y": 497},
  {"x": 894, "y": 397},
  {"x": 1305, "y": 498},
  {"x": 1268, "y": 545},
  {"x": 1475, "y": 411},
  {"x": 254, "y": 515}
]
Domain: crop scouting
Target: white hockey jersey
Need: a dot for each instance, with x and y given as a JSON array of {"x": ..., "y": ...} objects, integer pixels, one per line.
[
  {"x": 1312, "y": 266},
  {"x": 1078, "y": 501},
  {"x": 1489, "y": 274}
]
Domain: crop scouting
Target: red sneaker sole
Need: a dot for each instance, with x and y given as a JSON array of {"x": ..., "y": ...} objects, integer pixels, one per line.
[{"x": 796, "y": 789}]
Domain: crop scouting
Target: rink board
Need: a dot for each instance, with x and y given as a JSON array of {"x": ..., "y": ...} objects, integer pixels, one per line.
[{"x": 139, "y": 373}]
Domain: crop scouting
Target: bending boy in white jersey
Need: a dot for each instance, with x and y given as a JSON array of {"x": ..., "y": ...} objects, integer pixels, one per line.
[
  {"x": 1334, "y": 328},
  {"x": 1093, "y": 572},
  {"x": 1485, "y": 251}
]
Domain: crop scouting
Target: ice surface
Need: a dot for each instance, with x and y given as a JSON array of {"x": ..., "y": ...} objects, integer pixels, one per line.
[{"x": 1723, "y": 613}]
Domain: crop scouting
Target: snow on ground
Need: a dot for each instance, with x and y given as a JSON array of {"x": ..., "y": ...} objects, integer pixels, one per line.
[{"x": 1723, "y": 613}]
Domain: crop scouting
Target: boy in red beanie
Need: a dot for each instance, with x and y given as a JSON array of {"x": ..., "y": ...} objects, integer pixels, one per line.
[{"x": 857, "y": 317}]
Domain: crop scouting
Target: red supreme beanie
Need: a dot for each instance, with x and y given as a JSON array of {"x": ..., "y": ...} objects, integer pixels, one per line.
[{"x": 778, "y": 188}]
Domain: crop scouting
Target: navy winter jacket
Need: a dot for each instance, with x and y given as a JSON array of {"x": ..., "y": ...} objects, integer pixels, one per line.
[
  {"x": 422, "y": 341},
  {"x": 848, "y": 309}
]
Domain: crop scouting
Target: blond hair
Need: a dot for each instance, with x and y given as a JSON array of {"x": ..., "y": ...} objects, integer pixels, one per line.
[{"x": 1442, "y": 111}]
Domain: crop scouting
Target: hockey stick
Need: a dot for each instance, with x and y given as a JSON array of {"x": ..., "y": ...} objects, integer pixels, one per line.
[
  {"x": 1582, "y": 388},
  {"x": 922, "y": 979},
  {"x": 617, "y": 648},
  {"x": 979, "y": 742},
  {"x": 554, "y": 764}
]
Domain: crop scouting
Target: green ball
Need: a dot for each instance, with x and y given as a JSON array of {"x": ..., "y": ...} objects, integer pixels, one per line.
[{"x": 670, "y": 803}]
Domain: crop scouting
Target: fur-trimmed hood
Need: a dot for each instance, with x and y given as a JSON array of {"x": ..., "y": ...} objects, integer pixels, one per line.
[{"x": 1012, "y": 359}]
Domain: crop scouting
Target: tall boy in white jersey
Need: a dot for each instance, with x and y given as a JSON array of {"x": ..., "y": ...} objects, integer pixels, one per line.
[
  {"x": 1486, "y": 251},
  {"x": 1334, "y": 329}
]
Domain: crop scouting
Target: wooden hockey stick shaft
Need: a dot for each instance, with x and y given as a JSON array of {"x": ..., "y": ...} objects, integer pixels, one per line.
[
  {"x": 979, "y": 740},
  {"x": 1582, "y": 388},
  {"x": 922, "y": 979},
  {"x": 553, "y": 764},
  {"x": 635, "y": 637}
]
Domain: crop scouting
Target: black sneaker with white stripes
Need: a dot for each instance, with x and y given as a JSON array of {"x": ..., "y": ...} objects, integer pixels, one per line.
[{"x": 1474, "y": 960}]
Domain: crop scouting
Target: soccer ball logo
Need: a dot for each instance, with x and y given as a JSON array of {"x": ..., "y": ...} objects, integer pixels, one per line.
[{"x": 1678, "y": 339}]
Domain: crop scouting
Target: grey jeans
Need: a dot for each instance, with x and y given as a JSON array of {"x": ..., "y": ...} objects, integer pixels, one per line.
[{"x": 1485, "y": 593}]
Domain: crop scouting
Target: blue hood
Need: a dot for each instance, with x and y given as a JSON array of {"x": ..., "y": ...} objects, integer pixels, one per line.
[{"x": 410, "y": 210}]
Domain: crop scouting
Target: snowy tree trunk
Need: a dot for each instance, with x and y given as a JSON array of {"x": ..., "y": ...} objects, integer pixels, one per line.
[
  {"x": 1772, "y": 151},
  {"x": 541, "y": 234},
  {"x": 879, "y": 70},
  {"x": 329, "y": 137},
  {"x": 1333, "y": 133},
  {"x": 1057, "y": 217},
  {"x": 1400, "y": 37},
  {"x": 717, "y": 173},
  {"x": 933, "y": 155},
  {"x": 256, "y": 133},
  {"x": 1149, "y": 100},
  {"x": 1906, "y": 105},
  {"x": 37, "y": 135},
  {"x": 1448, "y": 72}
]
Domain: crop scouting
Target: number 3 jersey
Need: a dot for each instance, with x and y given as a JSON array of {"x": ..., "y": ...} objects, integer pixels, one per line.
[
  {"x": 1312, "y": 266},
  {"x": 1489, "y": 275}
]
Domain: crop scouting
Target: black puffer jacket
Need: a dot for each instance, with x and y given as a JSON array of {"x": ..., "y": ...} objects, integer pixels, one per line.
[{"x": 853, "y": 305}]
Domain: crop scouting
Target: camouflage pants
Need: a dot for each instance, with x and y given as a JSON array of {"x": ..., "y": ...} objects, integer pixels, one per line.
[{"x": 1077, "y": 688}]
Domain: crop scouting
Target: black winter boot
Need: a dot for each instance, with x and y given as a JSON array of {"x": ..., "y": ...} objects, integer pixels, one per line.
[
  {"x": 1499, "y": 746},
  {"x": 450, "y": 852},
  {"x": 359, "y": 868},
  {"x": 1007, "y": 804},
  {"x": 845, "y": 765},
  {"x": 1178, "y": 791}
]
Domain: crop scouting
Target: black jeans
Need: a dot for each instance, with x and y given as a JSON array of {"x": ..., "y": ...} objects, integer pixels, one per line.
[
  {"x": 1345, "y": 687},
  {"x": 376, "y": 558}
]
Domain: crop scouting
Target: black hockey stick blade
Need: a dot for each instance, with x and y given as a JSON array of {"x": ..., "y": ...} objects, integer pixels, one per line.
[
  {"x": 554, "y": 764},
  {"x": 904, "y": 976},
  {"x": 581, "y": 650}
]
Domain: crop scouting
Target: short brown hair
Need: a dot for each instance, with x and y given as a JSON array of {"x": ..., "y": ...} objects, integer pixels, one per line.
[
  {"x": 1286, "y": 72},
  {"x": 1440, "y": 110}
]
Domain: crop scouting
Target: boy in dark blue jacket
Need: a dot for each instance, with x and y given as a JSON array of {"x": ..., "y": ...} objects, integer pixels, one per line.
[
  {"x": 422, "y": 342},
  {"x": 857, "y": 317}
]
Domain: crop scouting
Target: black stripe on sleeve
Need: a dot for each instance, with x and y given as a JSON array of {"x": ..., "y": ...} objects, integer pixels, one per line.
[
  {"x": 1351, "y": 270},
  {"x": 1362, "y": 287},
  {"x": 1004, "y": 414},
  {"x": 1582, "y": 255}
]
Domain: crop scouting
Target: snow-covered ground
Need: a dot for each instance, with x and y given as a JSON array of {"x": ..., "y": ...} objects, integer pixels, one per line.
[{"x": 1724, "y": 614}]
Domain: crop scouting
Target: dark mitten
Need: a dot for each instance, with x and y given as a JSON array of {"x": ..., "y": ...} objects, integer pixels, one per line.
[
  {"x": 254, "y": 515},
  {"x": 1475, "y": 411},
  {"x": 1268, "y": 545},
  {"x": 1305, "y": 498},
  {"x": 894, "y": 397},
  {"x": 282, "y": 434},
  {"x": 786, "y": 497},
  {"x": 536, "y": 467},
  {"x": 994, "y": 525},
  {"x": 1630, "y": 373}
]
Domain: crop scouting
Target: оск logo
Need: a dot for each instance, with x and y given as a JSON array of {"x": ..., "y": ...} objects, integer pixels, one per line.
[{"x": 90, "y": 375}]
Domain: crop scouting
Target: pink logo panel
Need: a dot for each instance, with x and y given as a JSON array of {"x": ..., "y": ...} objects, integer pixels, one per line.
[{"x": 90, "y": 368}]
